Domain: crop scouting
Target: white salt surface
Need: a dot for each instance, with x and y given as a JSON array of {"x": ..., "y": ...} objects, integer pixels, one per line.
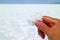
[{"x": 15, "y": 20}]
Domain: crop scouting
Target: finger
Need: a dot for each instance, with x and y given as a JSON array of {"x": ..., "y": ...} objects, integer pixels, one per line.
[
  {"x": 41, "y": 33},
  {"x": 49, "y": 24},
  {"x": 47, "y": 19},
  {"x": 42, "y": 26}
]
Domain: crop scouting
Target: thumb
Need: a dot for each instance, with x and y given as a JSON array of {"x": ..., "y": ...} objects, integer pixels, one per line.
[
  {"x": 42, "y": 26},
  {"x": 48, "y": 19}
]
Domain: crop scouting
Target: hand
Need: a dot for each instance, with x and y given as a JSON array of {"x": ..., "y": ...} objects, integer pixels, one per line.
[{"x": 49, "y": 26}]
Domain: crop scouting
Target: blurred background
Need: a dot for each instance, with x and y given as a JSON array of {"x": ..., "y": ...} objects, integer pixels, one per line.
[
  {"x": 16, "y": 17},
  {"x": 29, "y": 1},
  {"x": 14, "y": 20}
]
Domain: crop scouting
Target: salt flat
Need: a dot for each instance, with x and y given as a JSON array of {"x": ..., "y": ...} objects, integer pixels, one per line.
[{"x": 14, "y": 24}]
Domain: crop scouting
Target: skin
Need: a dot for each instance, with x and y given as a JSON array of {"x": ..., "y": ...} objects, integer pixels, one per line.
[{"x": 48, "y": 26}]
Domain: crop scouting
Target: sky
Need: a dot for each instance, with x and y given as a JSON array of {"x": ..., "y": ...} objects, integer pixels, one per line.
[{"x": 29, "y": 1}]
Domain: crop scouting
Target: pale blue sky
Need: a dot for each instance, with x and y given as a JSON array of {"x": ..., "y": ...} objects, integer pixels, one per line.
[{"x": 29, "y": 1}]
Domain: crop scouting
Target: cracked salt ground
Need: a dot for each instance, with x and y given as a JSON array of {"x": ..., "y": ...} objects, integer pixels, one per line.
[
  {"x": 16, "y": 20},
  {"x": 11, "y": 30},
  {"x": 14, "y": 27}
]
